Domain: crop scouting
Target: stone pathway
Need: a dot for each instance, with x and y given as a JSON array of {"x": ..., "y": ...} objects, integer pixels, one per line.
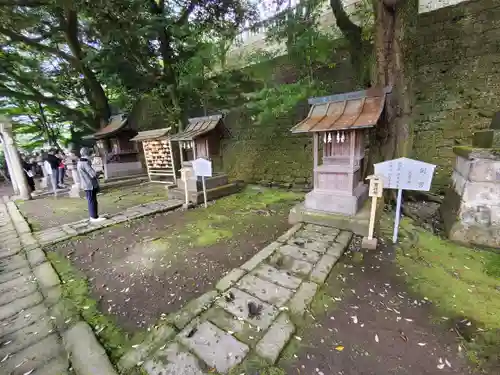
[
  {"x": 249, "y": 312},
  {"x": 36, "y": 335},
  {"x": 66, "y": 231}
]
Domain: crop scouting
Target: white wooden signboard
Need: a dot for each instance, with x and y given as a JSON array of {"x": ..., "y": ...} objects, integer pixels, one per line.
[
  {"x": 404, "y": 174},
  {"x": 202, "y": 168}
]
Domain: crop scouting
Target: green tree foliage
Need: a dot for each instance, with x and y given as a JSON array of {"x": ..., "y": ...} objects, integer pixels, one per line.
[{"x": 76, "y": 57}]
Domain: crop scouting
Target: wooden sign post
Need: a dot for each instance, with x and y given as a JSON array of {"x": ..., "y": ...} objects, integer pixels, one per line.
[
  {"x": 203, "y": 168},
  {"x": 375, "y": 191},
  {"x": 404, "y": 174},
  {"x": 184, "y": 177}
]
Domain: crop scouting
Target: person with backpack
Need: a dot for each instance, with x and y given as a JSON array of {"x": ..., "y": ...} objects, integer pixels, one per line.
[{"x": 89, "y": 183}]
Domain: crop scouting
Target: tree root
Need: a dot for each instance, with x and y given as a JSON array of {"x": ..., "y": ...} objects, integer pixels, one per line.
[{"x": 423, "y": 196}]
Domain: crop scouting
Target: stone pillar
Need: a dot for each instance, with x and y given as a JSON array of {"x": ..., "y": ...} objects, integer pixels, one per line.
[
  {"x": 45, "y": 179},
  {"x": 6, "y": 130},
  {"x": 9, "y": 168},
  {"x": 75, "y": 188}
]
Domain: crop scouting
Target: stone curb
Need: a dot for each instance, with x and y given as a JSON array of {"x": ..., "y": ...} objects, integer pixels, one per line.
[
  {"x": 150, "y": 354},
  {"x": 86, "y": 354},
  {"x": 70, "y": 232},
  {"x": 289, "y": 233}
]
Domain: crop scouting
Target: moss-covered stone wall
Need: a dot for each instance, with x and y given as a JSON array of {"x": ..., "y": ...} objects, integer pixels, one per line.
[
  {"x": 266, "y": 151},
  {"x": 457, "y": 79},
  {"x": 457, "y": 83}
]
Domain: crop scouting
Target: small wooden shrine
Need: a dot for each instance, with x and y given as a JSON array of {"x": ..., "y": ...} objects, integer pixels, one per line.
[
  {"x": 203, "y": 138},
  {"x": 120, "y": 156},
  {"x": 161, "y": 160},
  {"x": 339, "y": 125}
]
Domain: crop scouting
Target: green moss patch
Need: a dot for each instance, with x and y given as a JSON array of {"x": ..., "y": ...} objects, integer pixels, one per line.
[
  {"x": 76, "y": 291},
  {"x": 231, "y": 215},
  {"x": 461, "y": 282}
]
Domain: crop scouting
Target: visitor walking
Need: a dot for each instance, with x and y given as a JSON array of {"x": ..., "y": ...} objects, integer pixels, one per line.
[
  {"x": 89, "y": 183},
  {"x": 61, "y": 169},
  {"x": 52, "y": 164},
  {"x": 28, "y": 173}
]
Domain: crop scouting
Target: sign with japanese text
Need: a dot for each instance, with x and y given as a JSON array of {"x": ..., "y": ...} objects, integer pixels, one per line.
[
  {"x": 202, "y": 167},
  {"x": 376, "y": 187},
  {"x": 406, "y": 174}
]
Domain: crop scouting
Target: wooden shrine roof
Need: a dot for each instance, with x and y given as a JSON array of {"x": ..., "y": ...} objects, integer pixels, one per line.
[
  {"x": 199, "y": 126},
  {"x": 149, "y": 135},
  {"x": 354, "y": 110},
  {"x": 116, "y": 123}
]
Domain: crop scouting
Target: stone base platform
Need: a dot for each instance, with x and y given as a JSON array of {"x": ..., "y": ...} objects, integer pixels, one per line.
[
  {"x": 470, "y": 231},
  {"x": 357, "y": 224},
  {"x": 177, "y": 192}
]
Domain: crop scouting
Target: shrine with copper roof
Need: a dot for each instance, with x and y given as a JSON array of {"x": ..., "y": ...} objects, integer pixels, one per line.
[
  {"x": 202, "y": 138},
  {"x": 339, "y": 125}
]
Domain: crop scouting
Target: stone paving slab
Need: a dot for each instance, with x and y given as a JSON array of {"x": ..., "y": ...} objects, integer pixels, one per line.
[
  {"x": 13, "y": 263},
  {"x": 227, "y": 281},
  {"x": 282, "y": 278},
  {"x": 192, "y": 309},
  {"x": 276, "y": 338},
  {"x": 20, "y": 304},
  {"x": 265, "y": 290},
  {"x": 248, "y": 314},
  {"x": 239, "y": 308},
  {"x": 22, "y": 289},
  {"x": 56, "y": 366},
  {"x": 33, "y": 357},
  {"x": 344, "y": 237},
  {"x": 8, "y": 276},
  {"x": 323, "y": 268},
  {"x": 304, "y": 296},
  {"x": 22, "y": 319},
  {"x": 214, "y": 346},
  {"x": 29, "y": 341},
  {"x": 299, "y": 253},
  {"x": 261, "y": 256},
  {"x": 58, "y": 234},
  {"x": 318, "y": 236},
  {"x": 25, "y": 337},
  {"x": 309, "y": 244},
  {"x": 173, "y": 361}
]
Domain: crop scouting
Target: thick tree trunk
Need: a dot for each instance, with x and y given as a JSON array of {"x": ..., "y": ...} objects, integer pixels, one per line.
[
  {"x": 95, "y": 92},
  {"x": 393, "y": 136}
]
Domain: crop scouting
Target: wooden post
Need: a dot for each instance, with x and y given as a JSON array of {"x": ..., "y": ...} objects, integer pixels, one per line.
[
  {"x": 375, "y": 191},
  {"x": 204, "y": 191},
  {"x": 315, "y": 158}
]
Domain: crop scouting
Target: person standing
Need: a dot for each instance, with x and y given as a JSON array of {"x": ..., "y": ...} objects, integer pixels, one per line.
[
  {"x": 61, "y": 169},
  {"x": 89, "y": 183},
  {"x": 28, "y": 174},
  {"x": 53, "y": 162}
]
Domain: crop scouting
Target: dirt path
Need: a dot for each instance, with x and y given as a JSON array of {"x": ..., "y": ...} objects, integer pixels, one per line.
[
  {"x": 155, "y": 265},
  {"x": 369, "y": 324}
]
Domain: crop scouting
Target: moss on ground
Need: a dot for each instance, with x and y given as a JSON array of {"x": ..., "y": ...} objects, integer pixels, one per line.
[
  {"x": 231, "y": 215},
  {"x": 54, "y": 209},
  {"x": 461, "y": 282},
  {"x": 76, "y": 291}
]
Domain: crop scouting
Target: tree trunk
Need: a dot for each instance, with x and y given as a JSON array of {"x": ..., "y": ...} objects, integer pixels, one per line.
[
  {"x": 95, "y": 93},
  {"x": 392, "y": 138},
  {"x": 359, "y": 49}
]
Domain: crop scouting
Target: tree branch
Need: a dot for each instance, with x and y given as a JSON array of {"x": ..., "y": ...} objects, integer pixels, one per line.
[
  {"x": 23, "y": 3},
  {"x": 351, "y": 31},
  {"x": 18, "y": 38}
]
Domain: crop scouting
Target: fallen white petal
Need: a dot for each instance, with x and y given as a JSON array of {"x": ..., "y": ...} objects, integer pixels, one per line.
[
  {"x": 440, "y": 366},
  {"x": 422, "y": 344},
  {"x": 376, "y": 338}
]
